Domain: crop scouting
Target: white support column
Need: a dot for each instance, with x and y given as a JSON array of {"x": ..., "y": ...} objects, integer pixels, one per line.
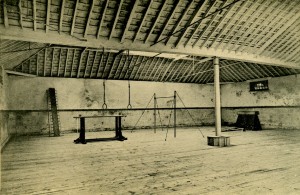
[{"x": 217, "y": 96}]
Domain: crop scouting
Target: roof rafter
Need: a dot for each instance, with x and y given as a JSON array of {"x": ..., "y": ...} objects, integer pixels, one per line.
[
  {"x": 102, "y": 18},
  {"x": 132, "y": 12},
  {"x": 144, "y": 17},
  {"x": 93, "y": 64},
  {"x": 116, "y": 19},
  {"x": 48, "y": 15},
  {"x": 61, "y": 19},
  {"x": 173, "y": 11},
  {"x": 208, "y": 25},
  {"x": 267, "y": 16},
  {"x": 74, "y": 16},
  {"x": 191, "y": 20},
  {"x": 217, "y": 25},
  {"x": 197, "y": 25},
  {"x": 243, "y": 25},
  {"x": 34, "y": 14},
  {"x": 20, "y": 13},
  {"x": 186, "y": 10},
  {"x": 156, "y": 20},
  {"x": 279, "y": 32},
  {"x": 89, "y": 19}
]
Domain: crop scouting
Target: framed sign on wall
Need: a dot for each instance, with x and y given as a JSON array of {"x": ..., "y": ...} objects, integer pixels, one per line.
[{"x": 259, "y": 85}]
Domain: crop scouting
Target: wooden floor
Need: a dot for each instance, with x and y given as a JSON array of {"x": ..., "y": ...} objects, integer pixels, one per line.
[{"x": 258, "y": 162}]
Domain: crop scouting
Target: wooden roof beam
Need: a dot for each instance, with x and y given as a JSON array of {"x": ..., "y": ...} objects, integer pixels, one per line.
[
  {"x": 20, "y": 13},
  {"x": 51, "y": 70},
  {"x": 48, "y": 15},
  {"x": 208, "y": 25},
  {"x": 267, "y": 16},
  {"x": 186, "y": 10},
  {"x": 114, "y": 76},
  {"x": 61, "y": 15},
  {"x": 73, "y": 62},
  {"x": 191, "y": 20},
  {"x": 102, "y": 18},
  {"x": 132, "y": 13},
  {"x": 74, "y": 16},
  {"x": 34, "y": 14},
  {"x": 217, "y": 25},
  {"x": 53, "y": 37},
  {"x": 232, "y": 18},
  {"x": 156, "y": 20},
  {"x": 86, "y": 63},
  {"x": 146, "y": 64},
  {"x": 93, "y": 64},
  {"x": 279, "y": 32},
  {"x": 150, "y": 69},
  {"x": 89, "y": 19},
  {"x": 80, "y": 60},
  {"x": 59, "y": 63},
  {"x": 66, "y": 62},
  {"x": 115, "y": 19},
  {"x": 159, "y": 69},
  {"x": 5, "y": 16},
  {"x": 173, "y": 11},
  {"x": 245, "y": 14},
  {"x": 144, "y": 17},
  {"x": 166, "y": 71},
  {"x": 99, "y": 65}
]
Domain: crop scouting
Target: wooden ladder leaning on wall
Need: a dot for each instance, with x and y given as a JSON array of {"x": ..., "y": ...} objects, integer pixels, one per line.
[{"x": 53, "y": 118}]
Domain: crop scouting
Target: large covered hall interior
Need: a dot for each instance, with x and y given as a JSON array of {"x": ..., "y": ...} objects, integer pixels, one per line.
[{"x": 150, "y": 96}]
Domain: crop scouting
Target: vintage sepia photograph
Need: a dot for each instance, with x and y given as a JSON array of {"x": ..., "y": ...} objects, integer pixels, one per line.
[{"x": 185, "y": 97}]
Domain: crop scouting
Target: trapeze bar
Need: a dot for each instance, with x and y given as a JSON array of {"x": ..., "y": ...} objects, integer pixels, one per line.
[{"x": 165, "y": 97}]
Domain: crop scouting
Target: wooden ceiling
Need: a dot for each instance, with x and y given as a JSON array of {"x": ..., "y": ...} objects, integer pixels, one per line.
[{"x": 151, "y": 40}]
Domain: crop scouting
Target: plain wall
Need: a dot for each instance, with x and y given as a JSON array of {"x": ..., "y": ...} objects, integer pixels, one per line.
[
  {"x": 279, "y": 107},
  {"x": 4, "y": 134},
  {"x": 28, "y": 103}
]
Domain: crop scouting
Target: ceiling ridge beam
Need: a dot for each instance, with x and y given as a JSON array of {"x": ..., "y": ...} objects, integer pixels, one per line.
[
  {"x": 156, "y": 20},
  {"x": 129, "y": 19},
  {"x": 89, "y": 19},
  {"x": 116, "y": 19},
  {"x": 16, "y": 33}
]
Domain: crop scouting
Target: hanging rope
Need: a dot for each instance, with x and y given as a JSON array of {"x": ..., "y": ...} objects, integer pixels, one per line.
[
  {"x": 160, "y": 118},
  {"x": 104, "y": 105},
  {"x": 169, "y": 123},
  {"x": 190, "y": 115},
  {"x": 129, "y": 104},
  {"x": 142, "y": 113}
]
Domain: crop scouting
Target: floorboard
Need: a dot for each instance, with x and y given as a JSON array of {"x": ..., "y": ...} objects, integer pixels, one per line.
[{"x": 257, "y": 162}]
